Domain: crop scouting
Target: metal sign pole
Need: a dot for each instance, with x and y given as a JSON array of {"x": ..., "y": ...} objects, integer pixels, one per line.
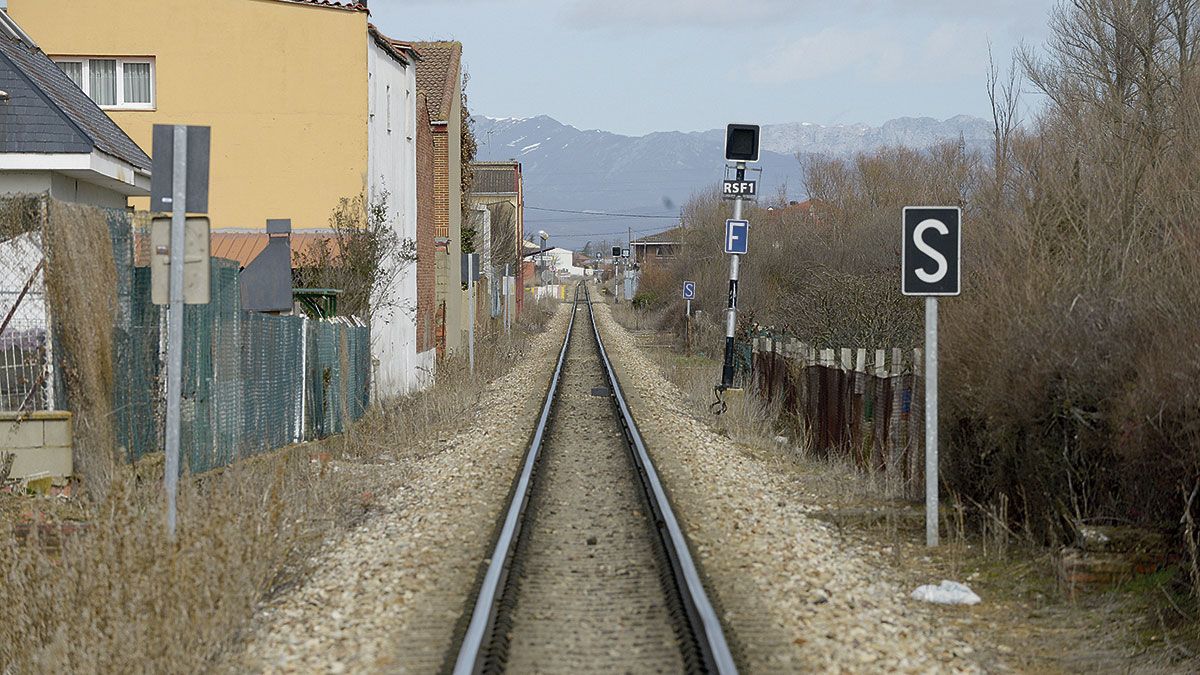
[
  {"x": 471, "y": 328},
  {"x": 731, "y": 313},
  {"x": 175, "y": 321},
  {"x": 931, "y": 422}
]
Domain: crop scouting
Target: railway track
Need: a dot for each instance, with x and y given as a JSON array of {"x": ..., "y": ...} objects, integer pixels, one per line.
[{"x": 591, "y": 571}]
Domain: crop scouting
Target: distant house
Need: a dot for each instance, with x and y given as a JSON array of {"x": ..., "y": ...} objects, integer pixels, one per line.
[
  {"x": 308, "y": 103},
  {"x": 560, "y": 262},
  {"x": 439, "y": 82},
  {"x": 55, "y": 140},
  {"x": 810, "y": 211},
  {"x": 656, "y": 249},
  {"x": 499, "y": 187}
]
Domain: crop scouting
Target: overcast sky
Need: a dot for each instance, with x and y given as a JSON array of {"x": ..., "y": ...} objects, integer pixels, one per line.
[{"x": 635, "y": 66}]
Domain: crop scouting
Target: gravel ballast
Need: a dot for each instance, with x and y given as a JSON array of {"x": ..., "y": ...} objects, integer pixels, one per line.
[
  {"x": 793, "y": 595},
  {"x": 389, "y": 595}
]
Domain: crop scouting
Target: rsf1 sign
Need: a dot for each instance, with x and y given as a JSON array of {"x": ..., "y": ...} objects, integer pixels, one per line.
[
  {"x": 931, "y": 254},
  {"x": 731, "y": 189}
]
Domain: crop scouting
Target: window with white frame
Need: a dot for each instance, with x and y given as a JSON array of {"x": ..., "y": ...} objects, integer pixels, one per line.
[{"x": 118, "y": 83}]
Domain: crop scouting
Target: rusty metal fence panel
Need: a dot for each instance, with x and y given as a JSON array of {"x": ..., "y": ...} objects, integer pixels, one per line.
[{"x": 863, "y": 405}]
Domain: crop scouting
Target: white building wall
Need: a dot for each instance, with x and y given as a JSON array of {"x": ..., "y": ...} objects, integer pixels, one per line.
[
  {"x": 392, "y": 167},
  {"x": 563, "y": 261}
]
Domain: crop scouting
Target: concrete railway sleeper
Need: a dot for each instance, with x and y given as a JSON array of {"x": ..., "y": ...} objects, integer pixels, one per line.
[{"x": 591, "y": 571}]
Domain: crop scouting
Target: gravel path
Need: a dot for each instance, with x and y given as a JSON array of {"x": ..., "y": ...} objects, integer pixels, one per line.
[
  {"x": 589, "y": 589},
  {"x": 389, "y": 595},
  {"x": 792, "y": 594}
]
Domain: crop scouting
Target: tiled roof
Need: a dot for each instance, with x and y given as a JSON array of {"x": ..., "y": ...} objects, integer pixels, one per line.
[
  {"x": 352, "y": 6},
  {"x": 245, "y": 246},
  {"x": 437, "y": 75},
  {"x": 499, "y": 178},
  {"x": 671, "y": 236},
  {"x": 393, "y": 47},
  {"x": 47, "y": 112}
]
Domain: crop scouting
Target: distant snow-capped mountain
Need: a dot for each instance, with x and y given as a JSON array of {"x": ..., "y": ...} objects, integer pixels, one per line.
[{"x": 653, "y": 175}]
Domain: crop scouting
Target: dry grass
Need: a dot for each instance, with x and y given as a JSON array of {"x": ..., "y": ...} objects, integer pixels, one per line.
[
  {"x": 1069, "y": 364},
  {"x": 81, "y": 285},
  {"x": 1025, "y": 622},
  {"x": 121, "y": 597}
]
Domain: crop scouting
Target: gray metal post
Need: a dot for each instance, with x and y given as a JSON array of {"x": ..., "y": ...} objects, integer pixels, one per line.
[
  {"x": 507, "y": 301},
  {"x": 731, "y": 312},
  {"x": 471, "y": 328},
  {"x": 931, "y": 423},
  {"x": 175, "y": 322}
]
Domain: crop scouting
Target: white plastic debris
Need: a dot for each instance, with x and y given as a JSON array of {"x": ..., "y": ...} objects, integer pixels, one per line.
[
  {"x": 946, "y": 593},
  {"x": 781, "y": 440}
]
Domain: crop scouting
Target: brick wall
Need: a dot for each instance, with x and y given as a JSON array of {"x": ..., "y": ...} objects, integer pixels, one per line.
[
  {"x": 426, "y": 230},
  {"x": 441, "y": 181}
]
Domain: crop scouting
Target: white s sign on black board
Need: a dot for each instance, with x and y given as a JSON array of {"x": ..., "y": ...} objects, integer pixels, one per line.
[{"x": 931, "y": 254}]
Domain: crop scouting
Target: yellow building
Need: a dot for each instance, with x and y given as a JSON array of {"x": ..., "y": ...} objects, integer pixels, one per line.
[
  {"x": 282, "y": 83},
  {"x": 308, "y": 104}
]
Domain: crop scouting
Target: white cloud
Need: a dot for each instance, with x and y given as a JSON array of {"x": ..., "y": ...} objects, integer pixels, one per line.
[
  {"x": 741, "y": 14},
  {"x": 947, "y": 51}
]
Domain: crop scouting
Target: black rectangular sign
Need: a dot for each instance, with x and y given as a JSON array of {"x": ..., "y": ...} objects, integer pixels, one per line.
[
  {"x": 931, "y": 250},
  {"x": 163, "y": 168},
  {"x": 731, "y": 189}
]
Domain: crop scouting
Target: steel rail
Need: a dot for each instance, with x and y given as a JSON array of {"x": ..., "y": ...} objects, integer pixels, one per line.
[
  {"x": 483, "y": 617},
  {"x": 711, "y": 641}
]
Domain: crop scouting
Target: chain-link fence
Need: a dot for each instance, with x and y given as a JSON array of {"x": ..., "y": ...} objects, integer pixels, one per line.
[
  {"x": 26, "y": 382},
  {"x": 251, "y": 382}
]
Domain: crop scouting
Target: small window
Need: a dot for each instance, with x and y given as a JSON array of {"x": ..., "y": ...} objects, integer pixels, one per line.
[
  {"x": 102, "y": 81},
  {"x": 74, "y": 70},
  {"x": 137, "y": 83},
  {"x": 113, "y": 83}
]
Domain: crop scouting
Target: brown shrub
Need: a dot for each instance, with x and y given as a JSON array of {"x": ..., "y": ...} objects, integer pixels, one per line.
[{"x": 1068, "y": 366}]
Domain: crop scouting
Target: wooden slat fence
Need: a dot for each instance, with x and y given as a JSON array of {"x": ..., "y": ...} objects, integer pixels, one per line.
[{"x": 866, "y": 404}]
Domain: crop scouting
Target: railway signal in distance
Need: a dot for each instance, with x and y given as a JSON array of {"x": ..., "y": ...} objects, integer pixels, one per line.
[
  {"x": 741, "y": 142},
  {"x": 931, "y": 251}
]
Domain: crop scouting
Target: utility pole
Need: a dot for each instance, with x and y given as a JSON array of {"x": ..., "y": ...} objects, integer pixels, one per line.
[{"x": 175, "y": 320}]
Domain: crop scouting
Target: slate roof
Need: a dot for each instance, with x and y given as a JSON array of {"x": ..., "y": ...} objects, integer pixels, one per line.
[
  {"x": 46, "y": 112},
  {"x": 437, "y": 75},
  {"x": 498, "y": 178}
]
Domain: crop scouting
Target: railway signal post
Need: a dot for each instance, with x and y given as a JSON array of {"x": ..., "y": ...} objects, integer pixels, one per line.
[
  {"x": 930, "y": 264},
  {"x": 689, "y": 294},
  {"x": 741, "y": 147}
]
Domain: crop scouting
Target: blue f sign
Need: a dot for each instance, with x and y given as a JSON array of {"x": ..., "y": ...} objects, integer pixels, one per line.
[{"x": 737, "y": 238}]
